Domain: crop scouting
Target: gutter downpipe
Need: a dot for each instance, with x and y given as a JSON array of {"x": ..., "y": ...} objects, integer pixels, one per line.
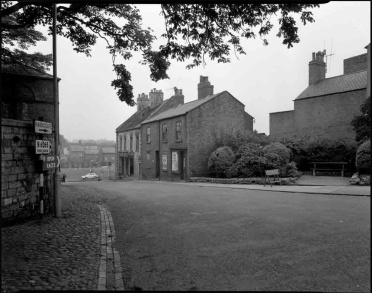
[{"x": 57, "y": 199}]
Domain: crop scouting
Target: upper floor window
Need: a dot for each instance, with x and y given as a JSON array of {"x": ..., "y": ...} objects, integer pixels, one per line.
[
  {"x": 137, "y": 141},
  {"x": 121, "y": 143},
  {"x": 178, "y": 130},
  {"x": 125, "y": 142},
  {"x": 131, "y": 142},
  {"x": 164, "y": 132},
  {"x": 148, "y": 134}
]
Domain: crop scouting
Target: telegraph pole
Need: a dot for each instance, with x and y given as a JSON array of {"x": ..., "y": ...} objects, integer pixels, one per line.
[{"x": 57, "y": 181}]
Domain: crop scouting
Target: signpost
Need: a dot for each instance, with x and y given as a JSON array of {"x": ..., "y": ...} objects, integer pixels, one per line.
[
  {"x": 43, "y": 127},
  {"x": 43, "y": 147},
  {"x": 50, "y": 162}
]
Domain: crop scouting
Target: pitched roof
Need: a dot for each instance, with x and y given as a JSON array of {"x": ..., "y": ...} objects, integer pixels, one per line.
[
  {"x": 181, "y": 109},
  {"x": 20, "y": 70},
  {"x": 108, "y": 150},
  {"x": 337, "y": 84},
  {"x": 76, "y": 148},
  {"x": 91, "y": 152},
  {"x": 135, "y": 120}
]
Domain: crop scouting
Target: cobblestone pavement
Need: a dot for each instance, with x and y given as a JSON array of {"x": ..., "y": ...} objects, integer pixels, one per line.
[{"x": 63, "y": 254}]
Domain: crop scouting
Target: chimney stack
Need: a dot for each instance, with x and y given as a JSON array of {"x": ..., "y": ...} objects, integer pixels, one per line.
[
  {"x": 142, "y": 101},
  {"x": 156, "y": 97},
  {"x": 204, "y": 87},
  {"x": 317, "y": 68}
]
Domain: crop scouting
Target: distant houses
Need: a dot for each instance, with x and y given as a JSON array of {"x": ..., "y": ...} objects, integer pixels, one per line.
[{"x": 175, "y": 138}]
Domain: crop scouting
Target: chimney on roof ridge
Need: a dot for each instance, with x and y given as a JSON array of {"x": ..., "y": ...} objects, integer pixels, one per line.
[
  {"x": 204, "y": 87},
  {"x": 142, "y": 101},
  {"x": 156, "y": 97},
  {"x": 317, "y": 68}
]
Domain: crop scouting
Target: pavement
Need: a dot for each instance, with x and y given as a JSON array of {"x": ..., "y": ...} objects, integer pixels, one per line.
[
  {"x": 74, "y": 252},
  {"x": 77, "y": 251},
  {"x": 305, "y": 184}
]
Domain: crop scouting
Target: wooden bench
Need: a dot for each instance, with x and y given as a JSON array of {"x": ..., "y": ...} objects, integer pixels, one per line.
[
  {"x": 329, "y": 166},
  {"x": 272, "y": 176}
]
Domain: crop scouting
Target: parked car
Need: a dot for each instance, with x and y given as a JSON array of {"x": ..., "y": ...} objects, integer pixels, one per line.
[{"x": 90, "y": 176}]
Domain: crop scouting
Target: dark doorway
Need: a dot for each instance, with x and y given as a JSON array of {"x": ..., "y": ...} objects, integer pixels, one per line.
[
  {"x": 131, "y": 166},
  {"x": 182, "y": 165},
  {"x": 157, "y": 165}
]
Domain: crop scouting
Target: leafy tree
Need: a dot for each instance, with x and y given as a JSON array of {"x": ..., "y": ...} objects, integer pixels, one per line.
[
  {"x": 192, "y": 31},
  {"x": 220, "y": 161},
  {"x": 362, "y": 122},
  {"x": 363, "y": 157}
]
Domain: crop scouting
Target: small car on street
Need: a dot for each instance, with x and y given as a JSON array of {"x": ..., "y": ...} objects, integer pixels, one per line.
[{"x": 90, "y": 176}]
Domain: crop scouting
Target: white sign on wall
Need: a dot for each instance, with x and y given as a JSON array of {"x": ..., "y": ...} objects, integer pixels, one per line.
[
  {"x": 43, "y": 147},
  {"x": 175, "y": 161},
  {"x": 43, "y": 127},
  {"x": 165, "y": 162}
]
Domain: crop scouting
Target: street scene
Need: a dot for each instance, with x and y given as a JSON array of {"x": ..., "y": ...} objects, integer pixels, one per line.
[
  {"x": 185, "y": 147},
  {"x": 190, "y": 236}
]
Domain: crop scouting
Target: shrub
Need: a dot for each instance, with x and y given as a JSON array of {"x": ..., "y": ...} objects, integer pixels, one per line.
[
  {"x": 277, "y": 154},
  {"x": 250, "y": 160},
  {"x": 238, "y": 139},
  {"x": 220, "y": 161},
  {"x": 363, "y": 157},
  {"x": 290, "y": 170}
]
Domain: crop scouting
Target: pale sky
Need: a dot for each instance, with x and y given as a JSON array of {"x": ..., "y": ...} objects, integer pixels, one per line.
[{"x": 265, "y": 80}]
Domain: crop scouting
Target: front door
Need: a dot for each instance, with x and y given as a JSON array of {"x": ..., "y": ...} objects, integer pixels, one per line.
[{"x": 182, "y": 165}]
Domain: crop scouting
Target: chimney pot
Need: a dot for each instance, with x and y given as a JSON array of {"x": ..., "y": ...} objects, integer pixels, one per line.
[{"x": 204, "y": 87}]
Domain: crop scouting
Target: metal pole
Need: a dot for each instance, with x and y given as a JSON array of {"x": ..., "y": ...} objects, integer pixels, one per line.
[{"x": 57, "y": 181}]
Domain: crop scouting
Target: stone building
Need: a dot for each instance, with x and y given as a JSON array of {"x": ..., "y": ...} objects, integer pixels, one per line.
[
  {"x": 106, "y": 155},
  {"x": 27, "y": 95},
  {"x": 327, "y": 106},
  {"x": 177, "y": 143},
  {"x": 90, "y": 157},
  {"x": 128, "y": 134},
  {"x": 76, "y": 156}
]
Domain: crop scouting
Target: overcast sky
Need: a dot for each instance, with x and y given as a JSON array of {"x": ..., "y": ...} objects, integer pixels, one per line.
[{"x": 266, "y": 80}]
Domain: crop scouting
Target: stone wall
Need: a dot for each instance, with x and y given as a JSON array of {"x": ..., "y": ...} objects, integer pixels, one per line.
[
  {"x": 20, "y": 181},
  {"x": 356, "y": 63},
  {"x": 281, "y": 124}
]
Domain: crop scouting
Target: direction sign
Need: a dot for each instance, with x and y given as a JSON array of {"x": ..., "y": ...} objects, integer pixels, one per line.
[
  {"x": 43, "y": 146},
  {"x": 43, "y": 127},
  {"x": 50, "y": 162}
]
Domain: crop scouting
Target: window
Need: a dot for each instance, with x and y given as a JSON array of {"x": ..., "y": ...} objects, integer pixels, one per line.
[
  {"x": 148, "y": 134},
  {"x": 164, "y": 132},
  {"x": 148, "y": 155},
  {"x": 178, "y": 131},
  {"x": 121, "y": 143},
  {"x": 131, "y": 142},
  {"x": 125, "y": 142},
  {"x": 165, "y": 161},
  {"x": 137, "y": 141}
]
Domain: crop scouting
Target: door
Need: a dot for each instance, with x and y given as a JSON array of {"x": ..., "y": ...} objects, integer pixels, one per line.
[
  {"x": 182, "y": 165},
  {"x": 157, "y": 165}
]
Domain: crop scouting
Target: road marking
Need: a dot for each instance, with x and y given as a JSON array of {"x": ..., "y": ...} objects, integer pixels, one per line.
[{"x": 109, "y": 255}]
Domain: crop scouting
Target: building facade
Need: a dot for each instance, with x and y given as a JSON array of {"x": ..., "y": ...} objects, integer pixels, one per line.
[
  {"x": 129, "y": 136},
  {"x": 327, "y": 106},
  {"x": 177, "y": 143}
]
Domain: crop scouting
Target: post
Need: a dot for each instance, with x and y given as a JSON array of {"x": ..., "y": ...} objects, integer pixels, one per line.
[{"x": 57, "y": 199}]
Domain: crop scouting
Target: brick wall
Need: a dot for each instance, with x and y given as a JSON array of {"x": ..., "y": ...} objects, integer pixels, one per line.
[
  {"x": 281, "y": 124},
  {"x": 20, "y": 177},
  {"x": 329, "y": 116},
  {"x": 207, "y": 124},
  {"x": 355, "y": 63}
]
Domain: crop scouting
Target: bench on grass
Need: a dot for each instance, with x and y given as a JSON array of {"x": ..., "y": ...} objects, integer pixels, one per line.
[
  {"x": 329, "y": 166},
  {"x": 272, "y": 176}
]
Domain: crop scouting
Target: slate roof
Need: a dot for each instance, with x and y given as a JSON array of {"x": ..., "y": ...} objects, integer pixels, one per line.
[
  {"x": 337, "y": 84},
  {"x": 181, "y": 109},
  {"x": 19, "y": 70},
  {"x": 108, "y": 150},
  {"x": 91, "y": 152},
  {"x": 137, "y": 118}
]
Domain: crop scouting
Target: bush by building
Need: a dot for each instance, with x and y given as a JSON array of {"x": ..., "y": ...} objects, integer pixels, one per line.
[{"x": 220, "y": 161}]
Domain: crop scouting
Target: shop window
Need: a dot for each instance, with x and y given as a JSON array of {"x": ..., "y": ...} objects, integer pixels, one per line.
[{"x": 165, "y": 162}]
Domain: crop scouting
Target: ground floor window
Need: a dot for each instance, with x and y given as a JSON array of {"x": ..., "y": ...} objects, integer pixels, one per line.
[
  {"x": 165, "y": 162},
  {"x": 175, "y": 161}
]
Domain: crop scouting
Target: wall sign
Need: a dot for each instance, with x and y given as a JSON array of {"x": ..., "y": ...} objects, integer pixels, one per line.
[
  {"x": 175, "y": 161},
  {"x": 43, "y": 146},
  {"x": 43, "y": 127},
  {"x": 50, "y": 162},
  {"x": 165, "y": 162}
]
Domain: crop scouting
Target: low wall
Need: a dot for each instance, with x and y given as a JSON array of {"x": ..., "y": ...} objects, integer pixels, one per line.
[{"x": 256, "y": 180}]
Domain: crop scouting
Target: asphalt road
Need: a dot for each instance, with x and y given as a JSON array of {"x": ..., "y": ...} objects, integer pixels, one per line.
[{"x": 183, "y": 237}]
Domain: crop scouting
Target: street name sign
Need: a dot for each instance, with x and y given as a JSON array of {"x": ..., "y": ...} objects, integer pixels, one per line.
[
  {"x": 50, "y": 162},
  {"x": 43, "y": 127},
  {"x": 43, "y": 147}
]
